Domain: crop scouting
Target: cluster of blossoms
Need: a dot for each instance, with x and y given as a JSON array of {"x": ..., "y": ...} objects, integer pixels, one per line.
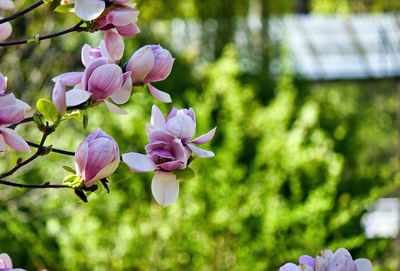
[
  {"x": 104, "y": 81},
  {"x": 170, "y": 147},
  {"x": 326, "y": 260}
]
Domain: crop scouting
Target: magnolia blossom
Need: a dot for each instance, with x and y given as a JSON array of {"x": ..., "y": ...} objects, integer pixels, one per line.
[
  {"x": 170, "y": 147},
  {"x": 101, "y": 79},
  {"x": 112, "y": 48},
  {"x": 6, "y": 263},
  {"x": 12, "y": 111},
  {"x": 326, "y": 260},
  {"x": 122, "y": 16},
  {"x": 87, "y": 9},
  {"x": 97, "y": 157},
  {"x": 151, "y": 63}
]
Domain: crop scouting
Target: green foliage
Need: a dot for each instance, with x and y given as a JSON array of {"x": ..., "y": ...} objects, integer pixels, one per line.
[{"x": 47, "y": 109}]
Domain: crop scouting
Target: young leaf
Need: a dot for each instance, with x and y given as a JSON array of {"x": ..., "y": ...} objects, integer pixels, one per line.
[
  {"x": 69, "y": 169},
  {"x": 64, "y": 8},
  {"x": 47, "y": 109}
]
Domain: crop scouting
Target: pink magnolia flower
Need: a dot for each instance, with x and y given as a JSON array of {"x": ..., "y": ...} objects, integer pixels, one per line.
[
  {"x": 97, "y": 157},
  {"x": 101, "y": 79},
  {"x": 326, "y": 260},
  {"x": 6, "y": 263},
  {"x": 12, "y": 111},
  {"x": 112, "y": 48},
  {"x": 121, "y": 16},
  {"x": 170, "y": 147},
  {"x": 151, "y": 63}
]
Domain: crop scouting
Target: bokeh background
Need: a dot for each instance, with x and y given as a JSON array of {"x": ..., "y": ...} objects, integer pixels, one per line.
[{"x": 297, "y": 164}]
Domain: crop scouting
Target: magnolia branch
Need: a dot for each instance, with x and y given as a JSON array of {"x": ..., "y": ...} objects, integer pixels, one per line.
[
  {"x": 22, "y": 12},
  {"x": 75, "y": 28},
  {"x": 52, "y": 149},
  {"x": 44, "y": 185}
]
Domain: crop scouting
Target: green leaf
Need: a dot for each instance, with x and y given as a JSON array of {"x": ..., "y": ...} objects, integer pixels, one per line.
[
  {"x": 69, "y": 169},
  {"x": 184, "y": 174},
  {"x": 47, "y": 109},
  {"x": 72, "y": 181},
  {"x": 73, "y": 115},
  {"x": 64, "y": 8}
]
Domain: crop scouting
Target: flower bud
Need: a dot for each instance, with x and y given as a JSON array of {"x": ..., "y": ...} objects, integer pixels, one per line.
[
  {"x": 97, "y": 157},
  {"x": 58, "y": 97},
  {"x": 150, "y": 63}
]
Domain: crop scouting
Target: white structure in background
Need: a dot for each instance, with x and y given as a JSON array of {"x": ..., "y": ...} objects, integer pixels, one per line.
[
  {"x": 328, "y": 47},
  {"x": 383, "y": 219}
]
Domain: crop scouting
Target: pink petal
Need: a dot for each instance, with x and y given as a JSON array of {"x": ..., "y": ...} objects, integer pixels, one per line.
[
  {"x": 172, "y": 165},
  {"x": 159, "y": 95},
  {"x": 114, "y": 44},
  {"x": 154, "y": 145},
  {"x": 363, "y": 265},
  {"x": 115, "y": 109},
  {"x": 288, "y": 267},
  {"x": 105, "y": 80},
  {"x": 122, "y": 17},
  {"x": 204, "y": 138},
  {"x": 128, "y": 30},
  {"x": 14, "y": 140},
  {"x": 70, "y": 78},
  {"x": 172, "y": 114},
  {"x": 6, "y": 4},
  {"x": 5, "y": 30},
  {"x": 122, "y": 95},
  {"x": 3, "y": 146},
  {"x": 157, "y": 118},
  {"x": 3, "y": 83},
  {"x": 89, "y": 9},
  {"x": 90, "y": 69},
  {"x": 138, "y": 162},
  {"x": 81, "y": 155},
  {"x": 160, "y": 135},
  {"x": 77, "y": 96},
  {"x": 165, "y": 188},
  {"x": 5, "y": 261},
  {"x": 59, "y": 97},
  {"x": 140, "y": 64},
  {"x": 200, "y": 152},
  {"x": 85, "y": 56}
]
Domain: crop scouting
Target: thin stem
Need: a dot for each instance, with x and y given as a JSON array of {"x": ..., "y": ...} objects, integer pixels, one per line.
[
  {"x": 22, "y": 121},
  {"x": 72, "y": 29},
  {"x": 30, "y": 159},
  {"x": 52, "y": 149},
  {"x": 22, "y": 12},
  {"x": 44, "y": 185}
]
